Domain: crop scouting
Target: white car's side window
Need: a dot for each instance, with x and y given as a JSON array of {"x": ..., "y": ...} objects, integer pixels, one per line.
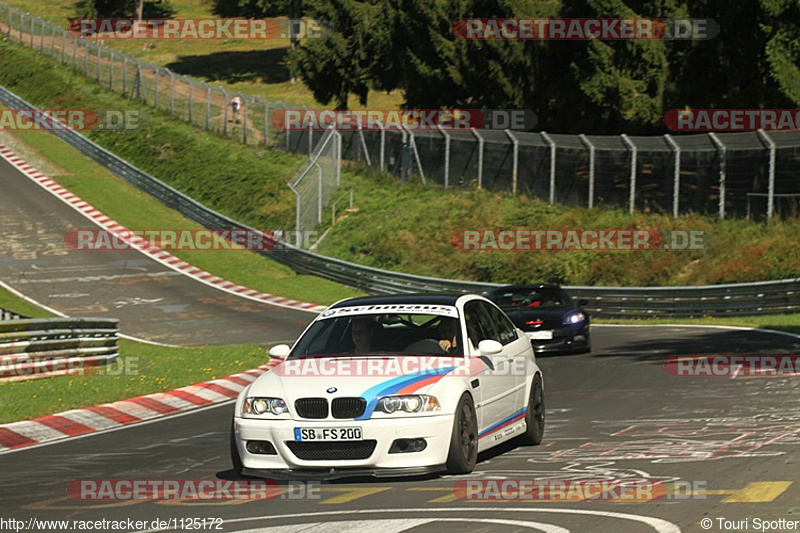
[{"x": 508, "y": 333}]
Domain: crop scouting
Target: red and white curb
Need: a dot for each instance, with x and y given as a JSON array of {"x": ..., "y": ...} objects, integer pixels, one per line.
[
  {"x": 110, "y": 416},
  {"x": 145, "y": 247}
]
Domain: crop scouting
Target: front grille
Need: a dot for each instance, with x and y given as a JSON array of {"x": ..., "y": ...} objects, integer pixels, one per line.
[
  {"x": 311, "y": 407},
  {"x": 348, "y": 407},
  {"x": 332, "y": 451}
]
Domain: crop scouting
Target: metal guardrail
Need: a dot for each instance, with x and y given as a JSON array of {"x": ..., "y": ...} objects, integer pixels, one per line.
[
  {"x": 8, "y": 315},
  {"x": 38, "y": 347},
  {"x": 771, "y": 297}
]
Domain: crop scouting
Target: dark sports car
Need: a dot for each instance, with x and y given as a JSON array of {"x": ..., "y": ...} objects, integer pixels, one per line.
[{"x": 553, "y": 321}]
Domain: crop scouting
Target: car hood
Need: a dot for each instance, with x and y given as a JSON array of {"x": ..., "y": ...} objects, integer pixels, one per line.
[{"x": 365, "y": 377}]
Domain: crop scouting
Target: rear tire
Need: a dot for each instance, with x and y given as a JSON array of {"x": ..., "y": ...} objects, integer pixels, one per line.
[
  {"x": 236, "y": 459},
  {"x": 534, "y": 418},
  {"x": 463, "y": 453}
]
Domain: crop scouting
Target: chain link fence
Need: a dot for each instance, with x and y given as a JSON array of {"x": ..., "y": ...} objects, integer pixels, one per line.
[
  {"x": 736, "y": 174},
  {"x": 315, "y": 184},
  {"x": 191, "y": 100}
]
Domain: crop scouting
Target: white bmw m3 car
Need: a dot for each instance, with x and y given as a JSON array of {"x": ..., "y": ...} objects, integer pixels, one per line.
[{"x": 388, "y": 386}]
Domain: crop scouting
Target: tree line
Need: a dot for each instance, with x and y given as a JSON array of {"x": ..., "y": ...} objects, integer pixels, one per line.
[{"x": 596, "y": 87}]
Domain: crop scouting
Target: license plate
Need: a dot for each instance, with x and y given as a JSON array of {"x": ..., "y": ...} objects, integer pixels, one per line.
[
  {"x": 326, "y": 434},
  {"x": 539, "y": 335}
]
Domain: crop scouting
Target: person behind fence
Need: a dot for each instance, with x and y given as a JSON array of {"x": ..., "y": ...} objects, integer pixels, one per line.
[{"x": 236, "y": 105}]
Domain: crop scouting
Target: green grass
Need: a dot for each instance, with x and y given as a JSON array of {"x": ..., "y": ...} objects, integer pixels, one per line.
[
  {"x": 257, "y": 68},
  {"x": 243, "y": 182},
  {"x": 408, "y": 228},
  {"x": 141, "y": 369},
  {"x": 15, "y": 304}
]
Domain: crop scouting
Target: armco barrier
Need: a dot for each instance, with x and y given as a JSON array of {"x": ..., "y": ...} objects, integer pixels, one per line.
[
  {"x": 47, "y": 346},
  {"x": 8, "y": 315},
  {"x": 771, "y": 297}
]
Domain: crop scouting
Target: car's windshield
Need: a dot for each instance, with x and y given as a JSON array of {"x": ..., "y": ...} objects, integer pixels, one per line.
[
  {"x": 541, "y": 297},
  {"x": 381, "y": 334}
]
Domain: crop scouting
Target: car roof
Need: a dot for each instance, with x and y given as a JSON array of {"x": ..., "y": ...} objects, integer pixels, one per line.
[{"x": 426, "y": 298}]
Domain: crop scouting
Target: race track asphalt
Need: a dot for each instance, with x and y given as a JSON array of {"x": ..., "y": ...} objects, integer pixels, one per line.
[
  {"x": 152, "y": 301},
  {"x": 611, "y": 414}
]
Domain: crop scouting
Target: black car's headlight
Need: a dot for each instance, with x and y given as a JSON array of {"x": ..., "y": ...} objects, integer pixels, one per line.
[
  {"x": 260, "y": 406},
  {"x": 415, "y": 403},
  {"x": 574, "y": 318}
]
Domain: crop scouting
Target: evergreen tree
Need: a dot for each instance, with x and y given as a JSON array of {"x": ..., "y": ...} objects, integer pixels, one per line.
[
  {"x": 336, "y": 65},
  {"x": 782, "y": 29}
]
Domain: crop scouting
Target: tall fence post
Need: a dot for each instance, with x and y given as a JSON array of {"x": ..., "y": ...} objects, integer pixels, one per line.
[
  {"x": 137, "y": 83},
  {"x": 99, "y": 54},
  {"x": 319, "y": 195},
  {"x": 383, "y": 147},
  {"x": 723, "y": 155},
  {"x": 587, "y": 143},
  {"x": 514, "y": 162},
  {"x": 632, "y": 147},
  {"x": 86, "y": 58},
  {"x": 52, "y": 40},
  {"x": 338, "y": 141},
  {"x": 225, "y": 113},
  {"x": 63, "y": 45},
  {"x": 111, "y": 70},
  {"x": 413, "y": 144},
  {"x": 480, "y": 157},
  {"x": 446, "y": 155},
  {"x": 266, "y": 122},
  {"x": 155, "y": 93},
  {"x": 363, "y": 141},
  {"x": 33, "y": 30},
  {"x": 676, "y": 179},
  {"x": 286, "y": 132},
  {"x": 208, "y": 107},
  {"x": 191, "y": 101},
  {"x": 74, "y": 53},
  {"x": 552, "y": 145},
  {"x": 9, "y": 20},
  {"x": 171, "y": 93},
  {"x": 772, "y": 158},
  {"x": 245, "y": 107}
]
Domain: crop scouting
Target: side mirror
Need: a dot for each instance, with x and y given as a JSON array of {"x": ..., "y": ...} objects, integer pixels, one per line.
[
  {"x": 280, "y": 351},
  {"x": 583, "y": 303},
  {"x": 490, "y": 347}
]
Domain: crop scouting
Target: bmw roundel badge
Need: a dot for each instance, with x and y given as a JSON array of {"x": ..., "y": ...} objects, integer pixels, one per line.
[{"x": 331, "y": 390}]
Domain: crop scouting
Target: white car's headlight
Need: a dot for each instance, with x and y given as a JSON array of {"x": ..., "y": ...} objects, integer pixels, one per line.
[
  {"x": 574, "y": 318},
  {"x": 260, "y": 406},
  {"x": 415, "y": 403}
]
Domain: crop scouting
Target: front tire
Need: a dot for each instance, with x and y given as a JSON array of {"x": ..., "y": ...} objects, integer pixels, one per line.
[
  {"x": 534, "y": 418},
  {"x": 236, "y": 458},
  {"x": 463, "y": 453}
]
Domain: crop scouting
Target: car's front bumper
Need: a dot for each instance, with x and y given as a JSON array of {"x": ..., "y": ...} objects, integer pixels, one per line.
[
  {"x": 565, "y": 340},
  {"x": 338, "y": 473},
  {"x": 436, "y": 430}
]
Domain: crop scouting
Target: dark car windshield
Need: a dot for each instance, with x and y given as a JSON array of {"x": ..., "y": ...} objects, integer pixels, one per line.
[
  {"x": 542, "y": 297},
  {"x": 381, "y": 334}
]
